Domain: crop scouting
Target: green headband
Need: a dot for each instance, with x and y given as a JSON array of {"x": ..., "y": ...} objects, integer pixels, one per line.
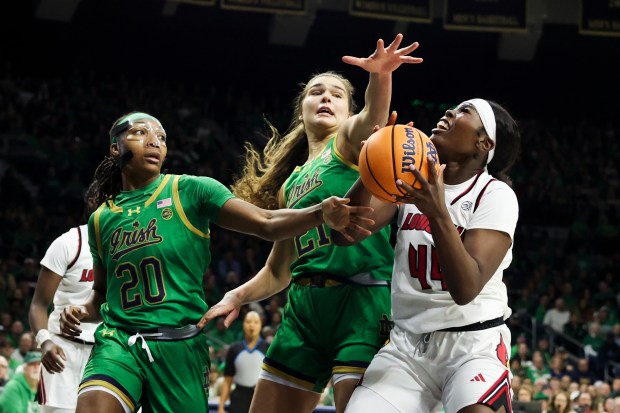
[{"x": 123, "y": 124}]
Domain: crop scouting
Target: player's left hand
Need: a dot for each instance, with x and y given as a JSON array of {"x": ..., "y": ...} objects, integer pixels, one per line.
[
  {"x": 344, "y": 218},
  {"x": 228, "y": 306},
  {"x": 385, "y": 59},
  {"x": 430, "y": 199}
]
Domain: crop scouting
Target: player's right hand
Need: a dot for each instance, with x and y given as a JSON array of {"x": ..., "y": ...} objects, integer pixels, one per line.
[
  {"x": 53, "y": 357},
  {"x": 70, "y": 320}
]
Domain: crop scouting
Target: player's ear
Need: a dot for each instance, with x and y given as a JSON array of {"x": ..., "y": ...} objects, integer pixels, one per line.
[
  {"x": 485, "y": 143},
  {"x": 114, "y": 151}
]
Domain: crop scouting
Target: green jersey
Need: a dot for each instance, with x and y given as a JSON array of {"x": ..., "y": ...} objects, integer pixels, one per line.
[
  {"x": 153, "y": 243},
  {"x": 330, "y": 174}
]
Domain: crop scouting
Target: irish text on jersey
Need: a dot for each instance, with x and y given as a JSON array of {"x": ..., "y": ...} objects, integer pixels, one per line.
[
  {"x": 123, "y": 242},
  {"x": 309, "y": 184}
]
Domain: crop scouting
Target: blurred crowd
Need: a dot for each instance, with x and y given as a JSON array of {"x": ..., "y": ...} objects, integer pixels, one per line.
[{"x": 565, "y": 324}]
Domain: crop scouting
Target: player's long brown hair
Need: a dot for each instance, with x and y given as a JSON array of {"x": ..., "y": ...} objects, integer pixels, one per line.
[{"x": 263, "y": 175}]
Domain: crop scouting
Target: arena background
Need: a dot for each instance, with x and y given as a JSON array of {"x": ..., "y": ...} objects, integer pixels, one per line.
[{"x": 560, "y": 82}]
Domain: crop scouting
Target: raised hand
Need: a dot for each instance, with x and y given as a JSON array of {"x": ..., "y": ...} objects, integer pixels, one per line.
[
  {"x": 430, "y": 198},
  {"x": 346, "y": 219},
  {"x": 385, "y": 59}
]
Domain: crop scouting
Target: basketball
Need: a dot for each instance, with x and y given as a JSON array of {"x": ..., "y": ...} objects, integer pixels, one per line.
[{"x": 386, "y": 157}]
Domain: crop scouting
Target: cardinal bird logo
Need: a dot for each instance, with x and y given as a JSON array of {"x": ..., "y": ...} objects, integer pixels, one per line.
[{"x": 502, "y": 352}]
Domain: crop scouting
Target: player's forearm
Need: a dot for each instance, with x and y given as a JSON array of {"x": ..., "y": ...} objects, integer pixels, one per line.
[
  {"x": 286, "y": 223},
  {"x": 377, "y": 100},
  {"x": 93, "y": 306},
  {"x": 263, "y": 285},
  {"x": 460, "y": 271},
  {"x": 37, "y": 317}
]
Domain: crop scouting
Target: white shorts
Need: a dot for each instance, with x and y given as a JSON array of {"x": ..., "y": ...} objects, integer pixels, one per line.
[
  {"x": 416, "y": 372},
  {"x": 61, "y": 389}
]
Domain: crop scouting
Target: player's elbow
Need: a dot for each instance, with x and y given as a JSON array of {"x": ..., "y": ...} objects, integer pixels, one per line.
[{"x": 464, "y": 296}]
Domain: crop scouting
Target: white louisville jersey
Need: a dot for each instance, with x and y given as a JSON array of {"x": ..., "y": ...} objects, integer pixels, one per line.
[
  {"x": 421, "y": 302},
  {"x": 69, "y": 256}
]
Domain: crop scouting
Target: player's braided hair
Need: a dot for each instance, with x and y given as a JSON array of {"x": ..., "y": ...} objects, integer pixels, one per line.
[{"x": 107, "y": 182}]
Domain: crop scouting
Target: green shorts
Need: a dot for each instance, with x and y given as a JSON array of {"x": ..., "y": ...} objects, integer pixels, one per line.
[
  {"x": 326, "y": 331},
  {"x": 176, "y": 381}
]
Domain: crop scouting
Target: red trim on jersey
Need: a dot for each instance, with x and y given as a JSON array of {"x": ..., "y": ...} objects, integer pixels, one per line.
[
  {"x": 482, "y": 193},
  {"x": 79, "y": 249},
  {"x": 498, "y": 394},
  {"x": 41, "y": 396},
  {"x": 462, "y": 194}
]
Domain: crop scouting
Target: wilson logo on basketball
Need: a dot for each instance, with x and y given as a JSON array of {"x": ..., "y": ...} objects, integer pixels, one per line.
[{"x": 409, "y": 150}]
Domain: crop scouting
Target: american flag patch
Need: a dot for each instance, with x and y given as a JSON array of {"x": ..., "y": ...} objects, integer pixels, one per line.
[{"x": 161, "y": 203}]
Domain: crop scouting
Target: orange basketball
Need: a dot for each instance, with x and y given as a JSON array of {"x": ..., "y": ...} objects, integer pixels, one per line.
[{"x": 386, "y": 157}]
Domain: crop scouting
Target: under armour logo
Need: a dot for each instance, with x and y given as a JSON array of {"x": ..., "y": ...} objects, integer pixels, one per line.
[
  {"x": 133, "y": 211},
  {"x": 107, "y": 333}
]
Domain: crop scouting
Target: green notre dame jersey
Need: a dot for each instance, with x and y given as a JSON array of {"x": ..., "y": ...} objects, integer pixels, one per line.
[
  {"x": 330, "y": 174},
  {"x": 153, "y": 243}
]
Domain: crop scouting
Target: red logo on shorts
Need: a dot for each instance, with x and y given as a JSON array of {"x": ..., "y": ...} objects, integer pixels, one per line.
[{"x": 502, "y": 352}]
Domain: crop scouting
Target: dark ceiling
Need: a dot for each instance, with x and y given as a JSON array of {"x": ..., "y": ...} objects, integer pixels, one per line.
[{"x": 568, "y": 72}]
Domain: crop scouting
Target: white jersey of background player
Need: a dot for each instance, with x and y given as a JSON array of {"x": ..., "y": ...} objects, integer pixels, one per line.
[
  {"x": 449, "y": 344},
  {"x": 66, "y": 277}
]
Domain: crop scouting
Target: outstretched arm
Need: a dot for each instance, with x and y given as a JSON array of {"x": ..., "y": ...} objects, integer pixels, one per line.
[
  {"x": 271, "y": 279},
  {"x": 241, "y": 216},
  {"x": 378, "y": 94}
]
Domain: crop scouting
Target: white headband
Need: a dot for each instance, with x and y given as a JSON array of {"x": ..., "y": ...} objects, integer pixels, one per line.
[{"x": 488, "y": 121}]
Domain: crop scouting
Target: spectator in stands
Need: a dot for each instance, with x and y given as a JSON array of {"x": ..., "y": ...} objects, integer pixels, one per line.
[
  {"x": 220, "y": 337},
  {"x": 150, "y": 245},
  {"x": 243, "y": 364},
  {"x": 575, "y": 328},
  {"x": 4, "y": 372},
  {"x": 537, "y": 368},
  {"x": 525, "y": 393},
  {"x": 541, "y": 308},
  {"x": 557, "y": 367},
  {"x": 559, "y": 403},
  {"x": 322, "y": 144},
  {"x": 615, "y": 387},
  {"x": 19, "y": 393},
  {"x": 542, "y": 345},
  {"x": 226, "y": 264},
  {"x": 568, "y": 295},
  {"x": 582, "y": 374},
  {"x": 606, "y": 317},
  {"x": 557, "y": 316},
  {"x": 17, "y": 329},
  {"x": 594, "y": 340},
  {"x": 26, "y": 344},
  {"x": 585, "y": 403}
]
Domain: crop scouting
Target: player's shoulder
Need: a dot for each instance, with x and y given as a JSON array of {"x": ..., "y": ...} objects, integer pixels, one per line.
[{"x": 194, "y": 180}]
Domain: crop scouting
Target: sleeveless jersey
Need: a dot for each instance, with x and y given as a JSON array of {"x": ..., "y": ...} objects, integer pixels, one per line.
[
  {"x": 153, "y": 243},
  {"x": 69, "y": 256},
  {"x": 420, "y": 300},
  {"x": 330, "y": 174}
]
